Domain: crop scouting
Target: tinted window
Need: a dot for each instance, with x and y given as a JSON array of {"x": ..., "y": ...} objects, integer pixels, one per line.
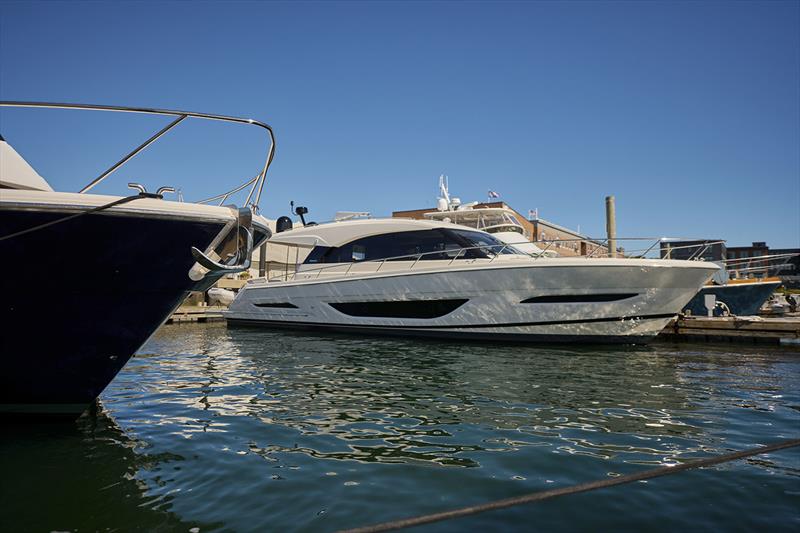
[
  {"x": 316, "y": 254},
  {"x": 427, "y": 245},
  {"x": 476, "y": 238}
]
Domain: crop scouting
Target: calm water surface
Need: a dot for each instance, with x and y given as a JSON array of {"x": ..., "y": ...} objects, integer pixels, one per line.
[{"x": 216, "y": 429}]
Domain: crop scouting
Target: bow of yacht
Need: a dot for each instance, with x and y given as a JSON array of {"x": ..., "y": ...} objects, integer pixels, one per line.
[{"x": 87, "y": 278}]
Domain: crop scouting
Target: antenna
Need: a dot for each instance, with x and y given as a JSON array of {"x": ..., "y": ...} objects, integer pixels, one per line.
[{"x": 443, "y": 189}]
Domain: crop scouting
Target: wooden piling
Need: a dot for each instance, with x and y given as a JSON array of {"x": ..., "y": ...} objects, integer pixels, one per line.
[
  {"x": 262, "y": 260},
  {"x": 611, "y": 226}
]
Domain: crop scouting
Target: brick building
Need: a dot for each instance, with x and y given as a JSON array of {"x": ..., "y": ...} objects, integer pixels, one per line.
[
  {"x": 708, "y": 250},
  {"x": 742, "y": 262}
]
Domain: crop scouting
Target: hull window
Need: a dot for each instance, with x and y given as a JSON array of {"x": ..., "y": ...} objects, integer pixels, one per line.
[
  {"x": 284, "y": 305},
  {"x": 578, "y": 298},
  {"x": 402, "y": 309}
]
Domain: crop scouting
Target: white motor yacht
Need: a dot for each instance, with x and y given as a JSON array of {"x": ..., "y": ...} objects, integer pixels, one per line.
[{"x": 437, "y": 279}]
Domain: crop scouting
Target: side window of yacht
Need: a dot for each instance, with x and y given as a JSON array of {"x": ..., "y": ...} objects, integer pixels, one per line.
[
  {"x": 425, "y": 245},
  {"x": 359, "y": 253},
  {"x": 452, "y": 249},
  {"x": 409, "y": 245},
  {"x": 342, "y": 254},
  {"x": 317, "y": 255},
  {"x": 481, "y": 244},
  {"x": 404, "y": 245},
  {"x": 400, "y": 246}
]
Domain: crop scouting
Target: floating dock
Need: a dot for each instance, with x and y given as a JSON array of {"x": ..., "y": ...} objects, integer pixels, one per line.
[
  {"x": 754, "y": 329},
  {"x": 197, "y": 313}
]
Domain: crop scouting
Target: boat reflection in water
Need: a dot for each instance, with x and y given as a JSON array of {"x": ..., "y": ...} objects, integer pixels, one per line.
[
  {"x": 83, "y": 476},
  {"x": 252, "y": 430},
  {"x": 389, "y": 400}
]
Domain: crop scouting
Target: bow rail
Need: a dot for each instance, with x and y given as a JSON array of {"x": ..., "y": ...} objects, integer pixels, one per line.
[{"x": 253, "y": 197}]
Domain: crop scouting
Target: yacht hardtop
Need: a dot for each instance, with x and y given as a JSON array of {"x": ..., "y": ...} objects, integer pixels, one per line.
[{"x": 341, "y": 232}]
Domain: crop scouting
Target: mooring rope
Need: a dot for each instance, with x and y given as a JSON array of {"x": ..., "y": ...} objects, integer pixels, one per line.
[
  {"x": 574, "y": 489},
  {"x": 82, "y": 213}
]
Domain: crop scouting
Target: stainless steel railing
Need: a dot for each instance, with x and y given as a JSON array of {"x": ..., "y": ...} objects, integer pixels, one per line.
[
  {"x": 765, "y": 265},
  {"x": 257, "y": 182},
  {"x": 379, "y": 263},
  {"x": 346, "y": 269}
]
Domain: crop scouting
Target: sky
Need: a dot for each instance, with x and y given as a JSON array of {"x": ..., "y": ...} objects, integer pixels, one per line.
[{"x": 687, "y": 112}]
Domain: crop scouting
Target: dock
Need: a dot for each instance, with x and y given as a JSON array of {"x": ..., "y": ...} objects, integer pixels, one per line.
[
  {"x": 746, "y": 329},
  {"x": 197, "y": 313}
]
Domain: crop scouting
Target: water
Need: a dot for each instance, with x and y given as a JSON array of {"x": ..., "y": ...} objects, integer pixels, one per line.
[{"x": 211, "y": 429}]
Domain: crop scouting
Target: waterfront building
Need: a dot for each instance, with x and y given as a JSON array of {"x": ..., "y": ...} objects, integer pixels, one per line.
[
  {"x": 707, "y": 250},
  {"x": 757, "y": 261},
  {"x": 789, "y": 269}
]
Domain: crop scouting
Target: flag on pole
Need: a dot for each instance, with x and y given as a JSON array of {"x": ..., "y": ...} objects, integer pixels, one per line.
[{"x": 493, "y": 194}]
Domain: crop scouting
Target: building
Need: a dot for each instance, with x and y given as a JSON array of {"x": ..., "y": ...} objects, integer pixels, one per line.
[
  {"x": 566, "y": 241},
  {"x": 787, "y": 266},
  {"x": 757, "y": 261},
  {"x": 546, "y": 234},
  {"x": 707, "y": 250},
  {"x": 748, "y": 261},
  {"x": 761, "y": 261}
]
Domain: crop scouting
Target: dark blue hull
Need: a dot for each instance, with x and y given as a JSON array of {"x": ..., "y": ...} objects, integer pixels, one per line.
[
  {"x": 78, "y": 299},
  {"x": 742, "y": 299}
]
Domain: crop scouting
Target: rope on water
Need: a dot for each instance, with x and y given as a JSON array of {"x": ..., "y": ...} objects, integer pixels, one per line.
[
  {"x": 574, "y": 489},
  {"x": 82, "y": 213}
]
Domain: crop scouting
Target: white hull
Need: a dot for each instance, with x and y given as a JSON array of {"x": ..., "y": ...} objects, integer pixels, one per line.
[{"x": 596, "y": 300}]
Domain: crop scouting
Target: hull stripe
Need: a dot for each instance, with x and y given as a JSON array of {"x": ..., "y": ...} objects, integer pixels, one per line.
[
  {"x": 526, "y": 338},
  {"x": 456, "y": 326}
]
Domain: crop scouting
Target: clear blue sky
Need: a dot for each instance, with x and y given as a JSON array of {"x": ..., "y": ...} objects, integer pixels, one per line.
[{"x": 687, "y": 112}]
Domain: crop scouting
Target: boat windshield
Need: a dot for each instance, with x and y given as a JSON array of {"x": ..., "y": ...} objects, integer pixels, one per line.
[
  {"x": 513, "y": 229},
  {"x": 424, "y": 245},
  {"x": 484, "y": 220}
]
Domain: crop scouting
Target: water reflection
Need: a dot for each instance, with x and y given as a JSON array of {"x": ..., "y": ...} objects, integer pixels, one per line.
[
  {"x": 252, "y": 430},
  {"x": 84, "y": 475},
  {"x": 403, "y": 401}
]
